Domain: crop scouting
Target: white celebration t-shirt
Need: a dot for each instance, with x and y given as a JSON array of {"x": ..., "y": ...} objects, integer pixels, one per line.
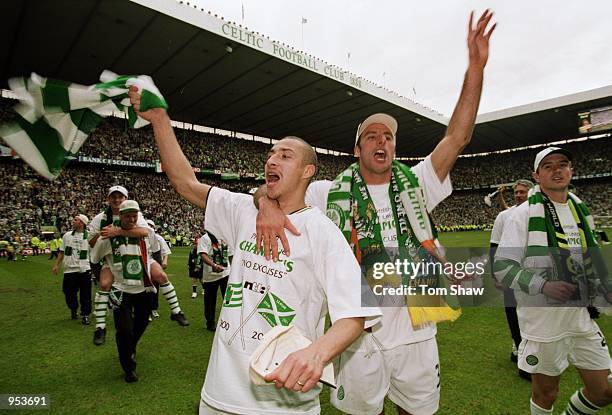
[
  {"x": 321, "y": 276},
  {"x": 544, "y": 324}
]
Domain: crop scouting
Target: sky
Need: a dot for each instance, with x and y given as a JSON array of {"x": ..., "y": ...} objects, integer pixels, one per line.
[{"x": 541, "y": 49}]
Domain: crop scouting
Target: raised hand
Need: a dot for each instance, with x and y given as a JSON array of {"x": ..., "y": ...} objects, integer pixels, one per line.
[{"x": 478, "y": 38}]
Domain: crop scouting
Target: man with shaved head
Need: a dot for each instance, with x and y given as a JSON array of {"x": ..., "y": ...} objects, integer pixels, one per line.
[
  {"x": 379, "y": 204},
  {"x": 321, "y": 277}
]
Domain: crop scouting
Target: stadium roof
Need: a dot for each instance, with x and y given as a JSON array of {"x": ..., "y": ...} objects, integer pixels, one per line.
[{"x": 220, "y": 74}]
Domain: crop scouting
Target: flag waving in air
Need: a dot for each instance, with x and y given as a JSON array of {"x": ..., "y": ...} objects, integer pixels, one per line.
[{"x": 54, "y": 118}]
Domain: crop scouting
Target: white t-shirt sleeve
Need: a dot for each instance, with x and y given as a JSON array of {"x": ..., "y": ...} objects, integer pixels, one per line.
[
  {"x": 94, "y": 226},
  {"x": 498, "y": 227},
  {"x": 100, "y": 250},
  {"x": 513, "y": 240},
  {"x": 153, "y": 241},
  {"x": 513, "y": 243},
  {"x": 341, "y": 277},
  {"x": 163, "y": 246},
  {"x": 223, "y": 211},
  {"x": 141, "y": 222},
  {"x": 434, "y": 189},
  {"x": 316, "y": 194},
  {"x": 204, "y": 245}
]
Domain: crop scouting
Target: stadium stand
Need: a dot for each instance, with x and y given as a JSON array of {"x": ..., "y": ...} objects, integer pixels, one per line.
[{"x": 29, "y": 202}]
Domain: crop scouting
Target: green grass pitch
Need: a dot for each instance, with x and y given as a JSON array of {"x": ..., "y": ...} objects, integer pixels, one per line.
[{"x": 44, "y": 352}]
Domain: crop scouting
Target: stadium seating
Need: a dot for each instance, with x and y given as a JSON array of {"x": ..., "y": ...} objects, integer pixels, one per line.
[{"x": 28, "y": 201}]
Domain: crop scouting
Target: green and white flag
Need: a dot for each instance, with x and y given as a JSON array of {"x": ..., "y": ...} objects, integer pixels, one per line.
[
  {"x": 275, "y": 311},
  {"x": 54, "y": 118},
  {"x": 233, "y": 295}
]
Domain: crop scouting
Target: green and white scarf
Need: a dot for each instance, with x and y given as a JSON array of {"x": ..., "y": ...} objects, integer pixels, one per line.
[
  {"x": 351, "y": 208},
  {"x": 83, "y": 254},
  {"x": 128, "y": 255},
  {"x": 547, "y": 242},
  {"x": 547, "y": 249},
  {"x": 54, "y": 118}
]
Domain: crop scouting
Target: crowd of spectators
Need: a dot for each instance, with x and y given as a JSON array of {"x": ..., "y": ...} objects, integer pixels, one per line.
[
  {"x": 590, "y": 157},
  {"x": 27, "y": 201},
  {"x": 467, "y": 207}
]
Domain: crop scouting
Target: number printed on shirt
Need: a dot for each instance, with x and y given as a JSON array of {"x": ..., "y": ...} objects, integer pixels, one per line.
[
  {"x": 257, "y": 335},
  {"x": 224, "y": 325}
]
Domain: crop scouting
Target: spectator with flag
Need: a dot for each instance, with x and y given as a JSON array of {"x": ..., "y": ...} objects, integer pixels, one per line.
[{"x": 299, "y": 289}]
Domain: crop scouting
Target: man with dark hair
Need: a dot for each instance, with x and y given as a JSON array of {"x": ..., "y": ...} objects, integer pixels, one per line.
[
  {"x": 382, "y": 208},
  {"x": 548, "y": 255}
]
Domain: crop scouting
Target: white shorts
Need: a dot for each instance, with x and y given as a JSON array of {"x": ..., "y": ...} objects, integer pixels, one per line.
[
  {"x": 409, "y": 374},
  {"x": 584, "y": 352}
]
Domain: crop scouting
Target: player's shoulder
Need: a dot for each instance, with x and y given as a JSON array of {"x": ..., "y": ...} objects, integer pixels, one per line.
[
  {"x": 506, "y": 213},
  {"x": 519, "y": 212},
  {"x": 321, "y": 227}
]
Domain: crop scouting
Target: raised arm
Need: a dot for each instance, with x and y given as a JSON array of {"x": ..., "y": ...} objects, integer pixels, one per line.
[
  {"x": 461, "y": 125},
  {"x": 501, "y": 199},
  {"x": 112, "y": 231},
  {"x": 177, "y": 167}
]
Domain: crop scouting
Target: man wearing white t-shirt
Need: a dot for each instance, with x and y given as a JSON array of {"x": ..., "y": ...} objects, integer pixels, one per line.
[
  {"x": 519, "y": 190},
  {"x": 130, "y": 266},
  {"x": 161, "y": 257},
  {"x": 216, "y": 257},
  {"x": 320, "y": 277},
  {"x": 104, "y": 225},
  {"x": 543, "y": 256},
  {"x": 397, "y": 358},
  {"x": 74, "y": 255}
]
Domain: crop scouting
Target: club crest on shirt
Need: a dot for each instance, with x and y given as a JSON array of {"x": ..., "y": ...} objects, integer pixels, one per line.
[
  {"x": 341, "y": 392},
  {"x": 336, "y": 215},
  {"x": 133, "y": 266}
]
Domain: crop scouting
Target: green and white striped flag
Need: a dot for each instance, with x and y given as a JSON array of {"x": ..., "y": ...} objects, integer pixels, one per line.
[
  {"x": 233, "y": 295},
  {"x": 275, "y": 311},
  {"x": 54, "y": 118}
]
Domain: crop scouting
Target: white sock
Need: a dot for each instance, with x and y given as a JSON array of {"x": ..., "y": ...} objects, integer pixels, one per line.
[
  {"x": 168, "y": 291},
  {"x": 538, "y": 410},
  {"x": 101, "y": 308}
]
